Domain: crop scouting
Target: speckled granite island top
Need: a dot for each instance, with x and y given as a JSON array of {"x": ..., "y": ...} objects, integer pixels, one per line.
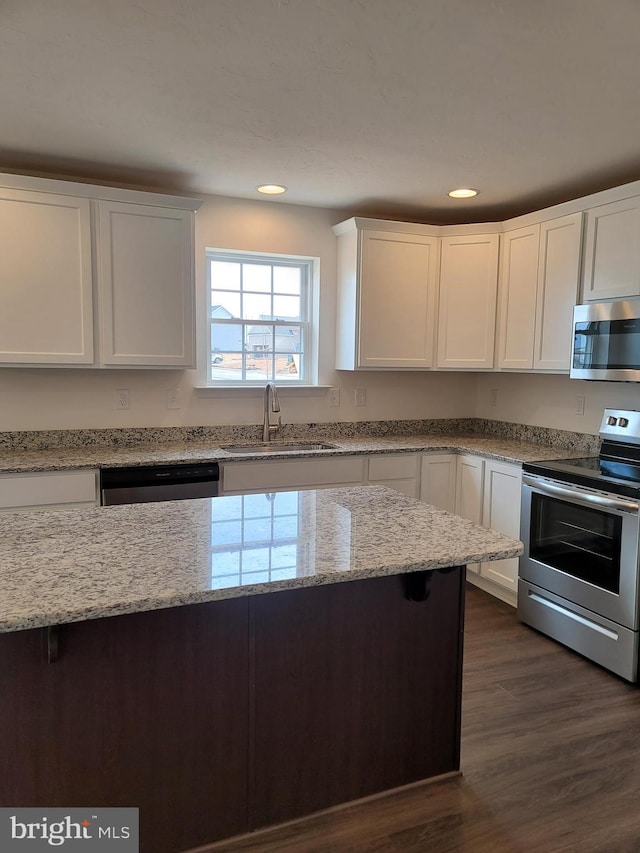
[{"x": 70, "y": 566}]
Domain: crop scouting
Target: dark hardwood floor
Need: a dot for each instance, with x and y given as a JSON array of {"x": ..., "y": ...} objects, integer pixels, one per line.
[{"x": 550, "y": 761}]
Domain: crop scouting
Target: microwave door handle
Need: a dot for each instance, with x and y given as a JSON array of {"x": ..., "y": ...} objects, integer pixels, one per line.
[{"x": 581, "y": 497}]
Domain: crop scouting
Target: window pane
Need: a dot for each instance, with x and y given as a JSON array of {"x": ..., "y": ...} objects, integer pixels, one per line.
[
  {"x": 225, "y": 274},
  {"x": 256, "y": 560},
  {"x": 225, "y": 563},
  {"x": 256, "y": 506},
  {"x": 256, "y": 277},
  {"x": 226, "y": 338},
  {"x": 224, "y": 305},
  {"x": 286, "y": 307},
  {"x": 259, "y": 352},
  {"x": 285, "y": 527},
  {"x": 286, "y": 280},
  {"x": 226, "y": 350},
  {"x": 226, "y": 532},
  {"x": 256, "y": 307},
  {"x": 230, "y": 507}
]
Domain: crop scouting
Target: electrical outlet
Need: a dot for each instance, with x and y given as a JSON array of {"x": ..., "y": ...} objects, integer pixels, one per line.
[
  {"x": 334, "y": 396},
  {"x": 579, "y": 405},
  {"x": 360, "y": 396},
  {"x": 122, "y": 399},
  {"x": 173, "y": 399},
  {"x": 493, "y": 397}
]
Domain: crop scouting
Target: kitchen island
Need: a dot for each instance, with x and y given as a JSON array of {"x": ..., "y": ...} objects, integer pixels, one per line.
[{"x": 232, "y": 663}]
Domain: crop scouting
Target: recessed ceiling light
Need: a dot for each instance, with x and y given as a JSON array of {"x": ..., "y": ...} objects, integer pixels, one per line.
[
  {"x": 271, "y": 189},
  {"x": 466, "y": 192}
]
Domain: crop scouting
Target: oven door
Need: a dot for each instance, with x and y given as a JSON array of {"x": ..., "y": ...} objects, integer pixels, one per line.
[{"x": 582, "y": 545}]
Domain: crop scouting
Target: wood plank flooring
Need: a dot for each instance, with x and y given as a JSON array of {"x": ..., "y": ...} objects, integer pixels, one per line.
[{"x": 550, "y": 761}]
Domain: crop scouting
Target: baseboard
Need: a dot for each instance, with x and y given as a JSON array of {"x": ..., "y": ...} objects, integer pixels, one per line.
[
  {"x": 263, "y": 833},
  {"x": 492, "y": 588}
]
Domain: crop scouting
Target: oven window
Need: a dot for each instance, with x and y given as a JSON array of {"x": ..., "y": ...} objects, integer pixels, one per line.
[{"x": 582, "y": 542}]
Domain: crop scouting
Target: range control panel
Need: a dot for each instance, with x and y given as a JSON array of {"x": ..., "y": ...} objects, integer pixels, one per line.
[{"x": 621, "y": 425}]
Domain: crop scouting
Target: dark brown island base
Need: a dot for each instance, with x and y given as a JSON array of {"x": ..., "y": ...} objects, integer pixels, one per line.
[{"x": 221, "y": 717}]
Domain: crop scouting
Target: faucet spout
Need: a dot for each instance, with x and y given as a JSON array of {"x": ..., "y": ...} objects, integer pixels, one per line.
[{"x": 271, "y": 404}]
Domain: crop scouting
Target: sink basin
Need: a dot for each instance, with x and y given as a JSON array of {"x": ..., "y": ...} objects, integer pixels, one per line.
[{"x": 277, "y": 447}]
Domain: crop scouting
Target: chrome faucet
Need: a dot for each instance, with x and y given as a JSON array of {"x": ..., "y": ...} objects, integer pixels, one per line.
[{"x": 271, "y": 403}]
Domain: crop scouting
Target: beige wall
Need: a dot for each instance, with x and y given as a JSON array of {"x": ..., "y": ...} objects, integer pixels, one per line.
[
  {"x": 73, "y": 398},
  {"x": 550, "y": 401}
]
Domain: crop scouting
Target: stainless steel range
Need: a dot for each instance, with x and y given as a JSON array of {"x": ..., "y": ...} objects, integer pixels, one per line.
[{"x": 581, "y": 527}]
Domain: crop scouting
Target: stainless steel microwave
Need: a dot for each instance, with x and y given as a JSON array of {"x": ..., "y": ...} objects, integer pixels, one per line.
[{"x": 606, "y": 341}]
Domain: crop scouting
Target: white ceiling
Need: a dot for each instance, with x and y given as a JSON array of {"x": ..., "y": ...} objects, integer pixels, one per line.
[{"x": 376, "y": 107}]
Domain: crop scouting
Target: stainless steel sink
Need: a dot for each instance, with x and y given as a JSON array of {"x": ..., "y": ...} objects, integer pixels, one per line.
[{"x": 277, "y": 447}]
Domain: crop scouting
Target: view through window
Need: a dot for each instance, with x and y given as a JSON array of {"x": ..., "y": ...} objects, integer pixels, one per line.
[{"x": 259, "y": 318}]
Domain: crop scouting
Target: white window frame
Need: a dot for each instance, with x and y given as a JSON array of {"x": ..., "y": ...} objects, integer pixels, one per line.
[{"x": 307, "y": 323}]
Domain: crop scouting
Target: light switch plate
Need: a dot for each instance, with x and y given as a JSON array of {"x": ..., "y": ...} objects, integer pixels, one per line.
[
  {"x": 173, "y": 399},
  {"x": 360, "y": 396},
  {"x": 122, "y": 399},
  {"x": 334, "y": 396}
]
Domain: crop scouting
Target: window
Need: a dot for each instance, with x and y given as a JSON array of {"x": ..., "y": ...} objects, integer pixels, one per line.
[
  {"x": 255, "y": 539},
  {"x": 260, "y": 319}
]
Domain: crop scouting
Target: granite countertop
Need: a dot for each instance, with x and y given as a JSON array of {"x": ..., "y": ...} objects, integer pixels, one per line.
[
  {"x": 70, "y": 566},
  {"x": 507, "y": 450}
]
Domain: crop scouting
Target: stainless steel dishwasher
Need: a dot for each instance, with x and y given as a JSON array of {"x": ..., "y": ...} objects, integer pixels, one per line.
[{"x": 146, "y": 483}]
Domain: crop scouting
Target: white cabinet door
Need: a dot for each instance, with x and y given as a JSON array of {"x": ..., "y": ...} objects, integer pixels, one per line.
[
  {"x": 467, "y": 307},
  {"x": 46, "y": 311},
  {"x": 539, "y": 277},
  {"x": 517, "y": 297},
  {"x": 55, "y": 490},
  {"x": 612, "y": 251},
  {"x": 501, "y": 512},
  {"x": 469, "y": 489},
  {"x": 386, "y": 297},
  {"x": 397, "y": 288},
  {"x": 145, "y": 276},
  {"x": 397, "y": 471},
  {"x": 558, "y": 283},
  {"x": 438, "y": 480}
]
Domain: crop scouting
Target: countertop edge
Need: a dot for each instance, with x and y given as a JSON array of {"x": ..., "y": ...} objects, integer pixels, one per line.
[{"x": 210, "y": 596}]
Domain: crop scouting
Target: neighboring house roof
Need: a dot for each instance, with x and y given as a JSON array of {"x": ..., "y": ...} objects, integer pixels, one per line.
[{"x": 221, "y": 312}]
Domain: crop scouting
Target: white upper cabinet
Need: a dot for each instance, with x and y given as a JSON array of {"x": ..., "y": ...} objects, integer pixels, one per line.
[
  {"x": 46, "y": 305},
  {"x": 612, "y": 251},
  {"x": 145, "y": 281},
  {"x": 467, "y": 309},
  {"x": 76, "y": 258},
  {"x": 386, "y": 295},
  {"x": 558, "y": 283},
  {"x": 517, "y": 303},
  {"x": 539, "y": 278}
]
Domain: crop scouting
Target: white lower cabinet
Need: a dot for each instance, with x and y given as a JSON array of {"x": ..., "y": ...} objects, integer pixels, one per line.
[
  {"x": 469, "y": 486},
  {"x": 486, "y": 492},
  {"x": 55, "y": 490},
  {"x": 438, "y": 480},
  {"x": 397, "y": 471},
  {"x": 501, "y": 512},
  {"x": 277, "y": 475}
]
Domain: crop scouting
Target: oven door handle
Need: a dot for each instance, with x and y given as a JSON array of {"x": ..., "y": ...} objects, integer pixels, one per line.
[{"x": 580, "y": 497}]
